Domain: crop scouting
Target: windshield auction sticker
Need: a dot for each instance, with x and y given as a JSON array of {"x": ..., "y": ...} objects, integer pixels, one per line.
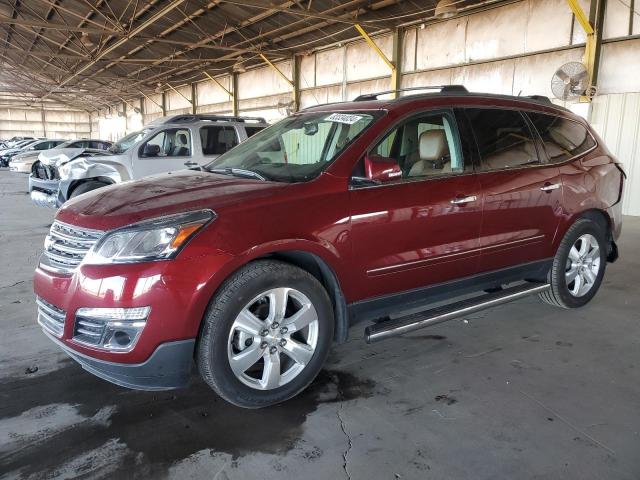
[{"x": 343, "y": 118}]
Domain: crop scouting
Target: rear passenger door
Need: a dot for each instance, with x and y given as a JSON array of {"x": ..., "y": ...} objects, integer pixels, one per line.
[
  {"x": 216, "y": 140},
  {"x": 522, "y": 191}
]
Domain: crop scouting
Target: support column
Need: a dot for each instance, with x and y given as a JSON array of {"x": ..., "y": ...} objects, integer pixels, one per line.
[
  {"x": 295, "y": 70},
  {"x": 396, "y": 58},
  {"x": 194, "y": 104},
  {"x": 43, "y": 118},
  {"x": 164, "y": 104},
  {"x": 234, "y": 87}
]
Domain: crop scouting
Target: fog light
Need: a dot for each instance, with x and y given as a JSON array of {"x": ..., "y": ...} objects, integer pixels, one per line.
[{"x": 114, "y": 329}]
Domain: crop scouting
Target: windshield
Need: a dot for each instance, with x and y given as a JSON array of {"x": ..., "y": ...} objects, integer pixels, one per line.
[
  {"x": 128, "y": 141},
  {"x": 295, "y": 149}
]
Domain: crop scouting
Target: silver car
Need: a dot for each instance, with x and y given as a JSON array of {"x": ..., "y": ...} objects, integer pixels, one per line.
[{"x": 167, "y": 144}]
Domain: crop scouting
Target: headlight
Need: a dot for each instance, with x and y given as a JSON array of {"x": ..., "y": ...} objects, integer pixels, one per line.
[{"x": 157, "y": 239}]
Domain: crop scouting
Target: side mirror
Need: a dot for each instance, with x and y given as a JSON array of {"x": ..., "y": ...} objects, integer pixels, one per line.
[
  {"x": 310, "y": 128},
  {"x": 151, "y": 150},
  {"x": 381, "y": 169}
]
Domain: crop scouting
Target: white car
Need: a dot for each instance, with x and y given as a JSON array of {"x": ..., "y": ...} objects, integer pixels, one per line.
[
  {"x": 23, "y": 161},
  {"x": 167, "y": 144}
]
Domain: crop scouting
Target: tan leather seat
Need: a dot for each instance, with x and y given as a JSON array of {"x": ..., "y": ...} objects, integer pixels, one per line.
[
  {"x": 518, "y": 154},
  {"x": 434, "y": 155}
]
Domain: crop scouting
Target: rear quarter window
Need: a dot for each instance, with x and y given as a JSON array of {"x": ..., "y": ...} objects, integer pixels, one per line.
[{"x": 563, "y": 138}]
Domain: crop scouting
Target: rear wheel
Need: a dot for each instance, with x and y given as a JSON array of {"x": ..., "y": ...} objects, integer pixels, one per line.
[
  {"x": 578, "y": 267},
  {"x": 266, "y": 334},
  {"x": 87, "y": 187}
]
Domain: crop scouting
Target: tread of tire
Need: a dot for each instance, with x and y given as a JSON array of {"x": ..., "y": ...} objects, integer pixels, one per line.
[
  {"x": 227, "y": 291},
  {"x": 552, "y": 296}
]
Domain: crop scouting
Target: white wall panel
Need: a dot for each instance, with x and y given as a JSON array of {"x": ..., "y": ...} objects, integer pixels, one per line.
[
  {"x": 484, "y": 41},
  {"x": 363, "y": 62},
  {"x": 175, "y": 101},
  {"x": 494, "y": 77},
  {"x": 442, "y": 44},
  {"x": 616, "y": 117},
  {"x": 330, "y": 67},
  {"x": 209, "y": 93},
  {"x": 616, "y": 21},
  {"x": 317, "y": 96},
  {"x": 264, "y": 81},
  {"x": 308, "y": 71},
  {"x": 544, "y": 17},
  {"x": 409, "y": 50},
  {"x": 151, "y": 107},
  {"x": 533, "y": 74},
  {"x": 421, "y": 79},
  {"x": 620, "y": 67},
  {"x": 579, "y": 36},
  {"x": 371, "y": 86}
]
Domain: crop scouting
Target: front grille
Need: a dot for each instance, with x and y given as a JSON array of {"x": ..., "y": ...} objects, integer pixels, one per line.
[
  {"x": 88, "y": 331},
  {"x": 50, "y": 317},
  {"x": 66, "y": 246},
  {"x": 44, "y": 172}
]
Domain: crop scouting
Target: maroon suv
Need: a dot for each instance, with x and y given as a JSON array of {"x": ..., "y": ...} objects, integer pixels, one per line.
[{"x": 253, "y": 266}]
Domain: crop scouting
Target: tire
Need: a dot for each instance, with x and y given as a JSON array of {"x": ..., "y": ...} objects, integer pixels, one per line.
[
  {"x": 255, "y": 288},
  {"x": 87, "y": 187},
  {"x": 564, "y": 292}
]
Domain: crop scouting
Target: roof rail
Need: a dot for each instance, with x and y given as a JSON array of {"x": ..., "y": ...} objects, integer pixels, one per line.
[
  {"x": 190, "y": 118},
  {"x": 540, "y": 98},
  {"x": 442, "y": 88}
]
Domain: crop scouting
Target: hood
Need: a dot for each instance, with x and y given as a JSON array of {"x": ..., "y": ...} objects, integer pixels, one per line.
[
  {"x": 31, "y": 155},
  {"x": 58, "y": 156},
  {"x": 174, "y": 192}
]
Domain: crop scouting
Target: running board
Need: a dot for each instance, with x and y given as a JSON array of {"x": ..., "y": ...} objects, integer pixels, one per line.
[{"x": 415, "y": 321}]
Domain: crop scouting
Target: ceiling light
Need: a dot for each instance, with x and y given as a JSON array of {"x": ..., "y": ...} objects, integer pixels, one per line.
[
  {"x": 446, "y": 9},
  {"x": 86, "y": 40}
]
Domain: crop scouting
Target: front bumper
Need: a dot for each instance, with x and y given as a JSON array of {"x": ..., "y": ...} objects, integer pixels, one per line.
[
  {"x": 178, "y": 292},
  {"x": 45, "y": 193},
  {"x": 170, "y": 366}
]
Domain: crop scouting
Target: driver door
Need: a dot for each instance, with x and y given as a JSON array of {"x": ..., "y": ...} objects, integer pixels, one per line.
[
  {"x": 420, "y": 226},
  {"x": 167, "y": 150}
]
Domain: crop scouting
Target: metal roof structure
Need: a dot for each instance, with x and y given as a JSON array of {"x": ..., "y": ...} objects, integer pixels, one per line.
[{"x": 89, "y": 54}]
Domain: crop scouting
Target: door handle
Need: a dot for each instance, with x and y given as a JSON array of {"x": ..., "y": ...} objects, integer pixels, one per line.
[
  {"x": 462, "y": 200},
  {"x": 190, "y": 164},
  {"x": 548, "y": 187}
]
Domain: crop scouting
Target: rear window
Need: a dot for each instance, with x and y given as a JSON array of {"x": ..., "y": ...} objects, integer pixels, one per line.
[
  {"x": 217, "y": 139},
  {"x": 504, "y": 138},
  {"x": 252, "y": 130},
  {"x": 562, "y": 138}
]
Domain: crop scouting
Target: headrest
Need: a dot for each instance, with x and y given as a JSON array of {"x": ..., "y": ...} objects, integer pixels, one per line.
[
  {"x": 433, "y": 145},
  {"x": 181, "y": 138}
]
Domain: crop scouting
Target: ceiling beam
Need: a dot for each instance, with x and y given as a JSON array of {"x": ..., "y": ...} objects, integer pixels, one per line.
[
  {"x": 118, "y": 43},
  {"x": 56, "y": 26}
]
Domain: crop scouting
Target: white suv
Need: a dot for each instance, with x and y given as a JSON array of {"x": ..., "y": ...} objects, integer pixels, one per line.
[{"x": 167, "y": 144}]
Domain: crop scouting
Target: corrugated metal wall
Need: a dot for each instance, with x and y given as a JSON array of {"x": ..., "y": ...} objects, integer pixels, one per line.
[{"x": 616, "y": 117}]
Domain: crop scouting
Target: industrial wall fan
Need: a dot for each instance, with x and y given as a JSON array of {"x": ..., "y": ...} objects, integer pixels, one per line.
[
  {"x": 571, "y": 81},
  {"x": 285, "y": 106}
]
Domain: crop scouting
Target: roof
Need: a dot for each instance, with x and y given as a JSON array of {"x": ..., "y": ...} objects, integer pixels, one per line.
[
  {"x": 367, "y": 102},
  {"x": 91, "y": 54}
]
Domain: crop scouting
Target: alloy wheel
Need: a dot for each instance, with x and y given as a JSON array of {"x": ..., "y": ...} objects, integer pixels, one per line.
[
  {"x": 273, "y": 338},
  {"x": 583, "y": 265}
]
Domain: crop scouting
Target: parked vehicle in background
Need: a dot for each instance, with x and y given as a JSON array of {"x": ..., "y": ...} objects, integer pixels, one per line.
[
  {"x": 341, "y": 213},
  {"x": 21, "y": 161},
  {"x": 24, "y": 161},
  {"x": 169, "y": 143},
  {"x": 15, "y": 140},
  {"x": 8, "y": 153}
]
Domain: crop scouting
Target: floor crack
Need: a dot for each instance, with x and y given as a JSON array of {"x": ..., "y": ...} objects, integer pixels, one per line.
[{"x": 345, "y": 455}]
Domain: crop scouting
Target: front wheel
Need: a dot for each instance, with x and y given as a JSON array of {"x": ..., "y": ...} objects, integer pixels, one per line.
[
  {"x": 87, "y": 187},
  {"x": 578, "y": 267},
  {"x": 266, "y": 334}
]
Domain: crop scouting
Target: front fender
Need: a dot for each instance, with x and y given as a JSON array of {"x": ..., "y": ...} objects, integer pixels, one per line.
[{"x": 82, "y": 169}]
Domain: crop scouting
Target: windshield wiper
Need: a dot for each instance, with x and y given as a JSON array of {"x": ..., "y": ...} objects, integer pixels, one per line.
[{"x": 238, "y": 172}]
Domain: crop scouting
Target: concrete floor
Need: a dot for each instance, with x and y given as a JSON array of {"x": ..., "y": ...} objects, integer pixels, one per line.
[{"x": 522, "y": 391}]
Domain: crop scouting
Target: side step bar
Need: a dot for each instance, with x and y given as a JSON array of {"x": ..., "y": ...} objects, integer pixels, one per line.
[{"x": 415, "y": 321}]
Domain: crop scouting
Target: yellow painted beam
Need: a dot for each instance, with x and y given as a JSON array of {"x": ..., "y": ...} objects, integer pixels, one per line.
[
  {"x": 590, "y": 44},
  {"x": 219, "y": 84},
  {"x": 582, "y": 18},
  {"x": 372, "y": 44},
  {"x": 268, "y": 62},
  {"x": 183, "y": 96}
]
